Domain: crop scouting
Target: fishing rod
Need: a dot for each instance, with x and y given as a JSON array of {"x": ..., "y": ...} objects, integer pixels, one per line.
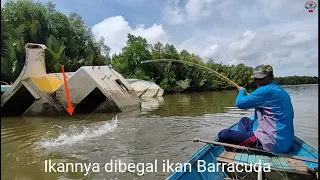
[{"x": 190, "y": 63}]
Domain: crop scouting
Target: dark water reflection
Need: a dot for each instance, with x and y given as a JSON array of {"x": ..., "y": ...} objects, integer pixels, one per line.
[{"x": 162, "y": 129}]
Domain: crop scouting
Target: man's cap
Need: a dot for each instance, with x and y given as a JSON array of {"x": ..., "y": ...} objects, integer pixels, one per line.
[{"x": 262, "y": 71}]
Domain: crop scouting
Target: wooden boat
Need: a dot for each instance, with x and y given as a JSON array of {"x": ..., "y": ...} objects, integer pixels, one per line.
[{"x": 300, "y": 163}]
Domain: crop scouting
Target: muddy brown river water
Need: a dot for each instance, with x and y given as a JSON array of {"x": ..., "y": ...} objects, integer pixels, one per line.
[{"x": 162, "y": 130}]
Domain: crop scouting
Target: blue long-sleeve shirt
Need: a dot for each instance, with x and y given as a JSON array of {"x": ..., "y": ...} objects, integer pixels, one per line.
[{"x": 273, "y": 118}]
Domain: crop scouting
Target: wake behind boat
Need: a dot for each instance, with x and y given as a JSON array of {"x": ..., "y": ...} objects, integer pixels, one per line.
[{"x": 299, "y": 163}]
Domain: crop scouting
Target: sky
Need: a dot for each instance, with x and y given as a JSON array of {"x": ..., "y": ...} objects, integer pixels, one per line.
[{"x": 281, "y": 33}]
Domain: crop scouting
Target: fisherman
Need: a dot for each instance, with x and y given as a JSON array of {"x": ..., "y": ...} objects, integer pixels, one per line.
[{"x": 272, "y": 126}]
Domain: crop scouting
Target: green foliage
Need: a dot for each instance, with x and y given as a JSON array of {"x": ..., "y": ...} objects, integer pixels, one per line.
[
  {"x": 69, "y": 42},
  {"x": 294, "y": 80},
  {"x": 137, "y": 50},
  {"x": 177, "y": 77},
  {"x": 55, "y": 52}
]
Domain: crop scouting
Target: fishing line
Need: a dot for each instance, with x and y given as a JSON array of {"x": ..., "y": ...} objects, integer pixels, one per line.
[{"x": 190, "y": 63}]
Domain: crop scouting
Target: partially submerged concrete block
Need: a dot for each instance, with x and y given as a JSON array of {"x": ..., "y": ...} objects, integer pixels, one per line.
[
  {"x": 30, "y": 94},
  {"x": 50, "y": 82},
  {"x": 24, "y": 97},
  {"x": 97, "y": 89},
  {"x": 151, "y": 104},
  {"x": 91, "y": 88},
  {"x": 145, "y": 89}
]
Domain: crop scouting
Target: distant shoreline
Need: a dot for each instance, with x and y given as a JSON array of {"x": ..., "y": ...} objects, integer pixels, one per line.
[
  {"x": 221, "y": 90},
  {"x": 298, "y": 84}
]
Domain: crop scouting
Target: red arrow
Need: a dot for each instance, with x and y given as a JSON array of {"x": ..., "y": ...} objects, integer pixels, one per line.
[{"x": 69, "y": 108}]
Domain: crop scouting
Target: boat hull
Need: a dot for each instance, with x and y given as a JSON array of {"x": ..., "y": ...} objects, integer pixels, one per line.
[{"x": 213, "y": 154}]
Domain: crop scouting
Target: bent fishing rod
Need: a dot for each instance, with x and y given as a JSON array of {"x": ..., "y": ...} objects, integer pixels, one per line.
[{"x": 189, "y": 63}]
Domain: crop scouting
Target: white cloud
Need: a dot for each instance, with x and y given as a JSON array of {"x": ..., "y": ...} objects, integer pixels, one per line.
[
  {"x": 210, "y": 52},
  {"x": 173, "y": 13},
  {"x": 192, "y": 11},
  {"x": 235, "y": 62},
  {"x": 281, "y": 33},
  {"x": 231, "y": 32},
  {"x": 115, "y": 30},
  {"x": 153, "y": 34},
  {"x": 299, "y": 38},
  {"x": 281, "y": 53},
  {"x": 311, "y": 59},
  {"x": 197, "y": 9},
  {"x": 252, "y": 48}
]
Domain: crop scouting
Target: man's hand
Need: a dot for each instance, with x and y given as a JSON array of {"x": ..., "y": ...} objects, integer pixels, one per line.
[{"x": 239, "y": 88}]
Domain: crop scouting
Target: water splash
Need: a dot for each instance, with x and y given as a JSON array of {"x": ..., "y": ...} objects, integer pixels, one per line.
[{"x": 77, "y": 134}]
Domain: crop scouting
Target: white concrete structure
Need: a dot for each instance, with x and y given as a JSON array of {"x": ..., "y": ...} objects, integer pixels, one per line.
[
  {"x": 25, "y": 97},
  {"x": 151, "y": 104},
  {"x": 98, "y": 87},
  {"x": 145, "y": 89},
  {"x": 37, "y": 93}
]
